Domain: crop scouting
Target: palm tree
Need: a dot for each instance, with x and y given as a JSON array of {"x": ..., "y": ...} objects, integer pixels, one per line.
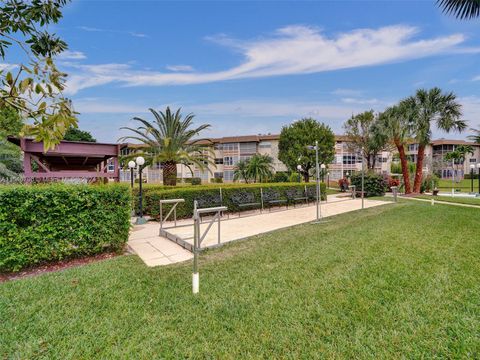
[
  {"x": 432, "y": 106},
  {"x": 461, "y": 9},
  {"x": 475, "y": 138},
  {"x": 260, "y": 167},
  {"x": 169, "y": 140},
  {"x": 459, "y": 154},
  {"x": 241, "y": 171},
  {"x": 395, "y": 124}
]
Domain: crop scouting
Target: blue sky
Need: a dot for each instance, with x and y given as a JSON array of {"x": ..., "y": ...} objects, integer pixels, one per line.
[{"x": 251, "y": 67}]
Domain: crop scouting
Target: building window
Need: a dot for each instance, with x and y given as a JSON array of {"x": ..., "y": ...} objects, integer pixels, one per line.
[
  {"x": 228, "y": 175},
  {"x": 349, "y": 159},
  {"x": 248, "y": 148},
  {"x": 218, "y": 161},
  {"x": 230, "y": 147},
  {"x": 265, "y": 144},
  {"x": 229, "y": 160},
  {"x": 413, "y": 147},
  {"x": 218, "y": 175},
  {"x": 111, "y": 167},
  {"x": 472, "y": 160},
  {"x": 245, "y": 157}
]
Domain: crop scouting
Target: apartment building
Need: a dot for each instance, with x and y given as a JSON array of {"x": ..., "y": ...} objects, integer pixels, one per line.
[{"x": 228, "y": 151}]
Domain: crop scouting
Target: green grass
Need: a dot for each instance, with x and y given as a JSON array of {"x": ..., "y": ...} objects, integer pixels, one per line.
[
  {"x": 397, "y": 281},
  {"x": 456, "y": 200},
  {"x": 464, "y": 185}
]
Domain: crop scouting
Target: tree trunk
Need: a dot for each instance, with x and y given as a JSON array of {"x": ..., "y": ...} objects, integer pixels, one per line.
[
  {"x": 418, "y": 171},
  {"x": 374, "y": 161},
  {"x": 404, "y": 163},
  {"x": 169, "y": 173},
  {"x": 306, "y": 176}
]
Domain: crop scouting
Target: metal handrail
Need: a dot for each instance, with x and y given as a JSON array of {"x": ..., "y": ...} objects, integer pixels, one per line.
[{"x": 175, "y": 202}]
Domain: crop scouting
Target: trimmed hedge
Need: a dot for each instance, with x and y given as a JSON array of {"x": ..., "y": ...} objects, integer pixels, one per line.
[
  {"x": 42, "y": 223},
  {"x": 374, "y": 184},
  {"x": 209, "y": 196}
]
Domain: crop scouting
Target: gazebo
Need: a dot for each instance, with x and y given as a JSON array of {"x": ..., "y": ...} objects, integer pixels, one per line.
[{"x": 69, "y": 160}]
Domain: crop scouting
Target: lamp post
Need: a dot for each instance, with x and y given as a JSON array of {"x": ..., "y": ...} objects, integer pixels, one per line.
[
  {"x": 131, "y": 165},
  {"x": 328, "y": 180},
  {"x": 323, "y": 167},
  {"x": 471, "y": 177},
  {"x": 478, "y": 176},
  {"x": 299, "y": 168},
  {"x": 363, "y": 177},
  {"x": 140, "y": 162},
  {"x": 317, "y": 178}
]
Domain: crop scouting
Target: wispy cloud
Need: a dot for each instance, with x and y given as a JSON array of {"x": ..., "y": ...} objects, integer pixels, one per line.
[
  {"x": 184, "y": 68},
  {"x": 94, "y": 29},
  {"x": 360, "y": 101},
  {"x": 476, "y": 78},
  {"x": 291, "y": 50},
  {"x": 6, "y": 66},
  {"x": 71, "y": 55}
]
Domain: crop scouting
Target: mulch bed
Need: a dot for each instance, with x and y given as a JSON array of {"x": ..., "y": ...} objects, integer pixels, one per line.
[{"x": 55, "y": 266}]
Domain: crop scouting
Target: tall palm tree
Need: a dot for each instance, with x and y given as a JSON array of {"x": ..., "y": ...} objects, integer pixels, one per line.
[
  {"x": 459, "y": 154},
  {"x": 241, "y": 171},
  {"x": 169, "y": 140},
  {"x": 395, "y": 123},
  {"x": 461, "y": 9},
  {"x": 260, "y": 167},
  {"x": 432, "y": 107}
]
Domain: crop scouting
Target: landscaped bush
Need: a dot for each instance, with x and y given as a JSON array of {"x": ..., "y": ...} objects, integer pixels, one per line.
[
  {"x": 295, "y": 177},
  {"x": 374, "y": 184},
  {"x": 42, "y": 223},
  {"x": 209, "y": 196},
  {"x": 391, "y": 181},
  {"x": 427, "y": 183},
  {"x": 216, "y": 180},
  {"x": 280, "y": 176},
  {"x": 196, "y": 181}
]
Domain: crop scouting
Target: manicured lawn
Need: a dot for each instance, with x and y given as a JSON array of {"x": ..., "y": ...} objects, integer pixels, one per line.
[
  {"x": 457, "y": 200},
  {"x": 464, "y": 185},
  {"x": 397, "y": 281}
]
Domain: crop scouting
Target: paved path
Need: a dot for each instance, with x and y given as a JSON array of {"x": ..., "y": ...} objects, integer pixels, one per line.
[
  {"x": 155, "y": 250},
  {"x": 441, "y": 202}
]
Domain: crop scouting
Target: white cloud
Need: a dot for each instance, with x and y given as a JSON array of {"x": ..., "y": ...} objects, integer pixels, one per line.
[
  {"x": 185, "y": 68},
  {"x": 94, "y": 29},
  {"x": 6, "y": 66},
  {"x": 292, "y": 50},
  {"x": 471, "y": 110},
  {"x": 360, "y": 101},
  {"x": 71, "y": 55},
  {"x": 476, "y": 78}
]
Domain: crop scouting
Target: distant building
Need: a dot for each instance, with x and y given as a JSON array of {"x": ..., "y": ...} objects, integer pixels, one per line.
[{"x": 228, "y": 151}]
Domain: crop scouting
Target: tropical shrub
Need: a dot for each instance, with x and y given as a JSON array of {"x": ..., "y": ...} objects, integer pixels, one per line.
[
  {"x": 209, "y": 196},
  {"x": 427, "y": 183},
  {"x": 280, "y": 176},
  {"x": 196, "y": 181},
  {"x": 374, "y": 184},
  {"x": 392, "y": 182},
  {"x": 216, "y": 180},
  {"x": 295, "y": 177},
  {"x": 42, "y": 223}
]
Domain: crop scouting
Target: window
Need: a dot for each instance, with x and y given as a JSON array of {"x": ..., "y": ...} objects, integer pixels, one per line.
[
  {"x": 228, "y": 160},
  {"x": 413, "y": 147},
  {"x": 111, "y": 167},
  {"x": 349, "y": 159},
  {"x": 228, "y": 175},
  {"x": 218, "y": 161},
  {"x": 265, "y": 144},
  {"x": 230, "y": 146},
  {"x": 472, "y": 160},
  {"x": 248, "y": 148},
  {"x": 245, "y": 158},
  {"x": 218, "y": 175}
]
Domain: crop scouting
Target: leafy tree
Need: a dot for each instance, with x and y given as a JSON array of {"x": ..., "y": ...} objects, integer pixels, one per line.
[
  {"x": 476, "y": 137},
  {"x": 74, "y": 134},
  {"x": 295, "y": 140},
  {"x": 260, "y": 167},
  {"x": 457, "y": 156},
  {"x": 461, "y": 9},
  {"x": 366, "y": 136},
  {"x": 241, "y": 171},
  {"x": 10, "y": 155},
  {"x": 432, "y": 108},
  {"x": 169, "y": 140},
  {"x": 395, "y": 123},
  {"x": 33, "y": 85}
]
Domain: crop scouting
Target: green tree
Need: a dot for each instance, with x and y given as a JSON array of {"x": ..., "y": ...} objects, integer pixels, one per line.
[
  {"x": 366, "y": 137},
  {"x": 461, "y": 9},
  {"x": 457, "y": 156},
  {"x": 31, "y": 83},
  {"x": 395, "y": 122},
  {"x": 74, "y": 134},
  {"x": 432, "y": 108},
  {"x": 10, "y": 155},
  {"x": 260, "y": 168},
  {"x": 476, "y": 137},
  {"x": 170, "y": 140},
  {"x": 241, "y": 171},
  {"x": 295, "y": 140}
]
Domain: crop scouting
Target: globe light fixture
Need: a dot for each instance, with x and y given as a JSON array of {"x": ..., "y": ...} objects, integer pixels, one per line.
[{"x": 140, "y": 162}]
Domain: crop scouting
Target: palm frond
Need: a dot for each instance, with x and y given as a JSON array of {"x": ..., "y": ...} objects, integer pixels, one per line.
[{"x": 461, "y": 9}]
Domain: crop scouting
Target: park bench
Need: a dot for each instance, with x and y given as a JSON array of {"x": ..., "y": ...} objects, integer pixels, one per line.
[
  {"x": 244, "y": 200},
  {"x": 271, "y": 198},
  {"x": 209, "y": 201},
  {"x": 295, "y": 195}
]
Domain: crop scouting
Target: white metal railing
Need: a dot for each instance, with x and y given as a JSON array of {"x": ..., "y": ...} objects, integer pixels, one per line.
[{"x": 173, "y": 210}]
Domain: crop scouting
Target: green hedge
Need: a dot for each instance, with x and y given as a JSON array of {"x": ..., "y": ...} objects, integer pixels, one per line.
[
  {"x": 209, "y": 196},
  {"x": 41, "y": 223},
  {"x": 374, "y": 184}
]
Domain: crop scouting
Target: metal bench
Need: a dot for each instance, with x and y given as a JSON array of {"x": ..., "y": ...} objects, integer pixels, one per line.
[
  {"x": 209, "y": 200},
  {"x": 296, "y": 195},
  {"x": 244, "y": 200},
  {"x": 272, "y": 197}
]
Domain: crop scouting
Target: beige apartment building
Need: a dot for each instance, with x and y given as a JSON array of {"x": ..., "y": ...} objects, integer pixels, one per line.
[{"x": 228, "y": 151}]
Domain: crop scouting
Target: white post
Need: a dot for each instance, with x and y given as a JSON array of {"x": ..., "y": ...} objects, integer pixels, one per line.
[
  {"x": 319, "y": 215},
  {"x": 196, "y": 236}
]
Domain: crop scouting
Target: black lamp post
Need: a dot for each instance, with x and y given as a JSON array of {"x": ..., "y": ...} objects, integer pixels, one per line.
[
  {"x": 471, "y": 177},
  {"x": 140, "y": 162}
]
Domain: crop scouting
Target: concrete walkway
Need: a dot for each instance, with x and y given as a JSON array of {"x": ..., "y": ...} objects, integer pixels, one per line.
[
  {"x": 440, "y": 202},
  {"x": 155, "y": 250}
]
